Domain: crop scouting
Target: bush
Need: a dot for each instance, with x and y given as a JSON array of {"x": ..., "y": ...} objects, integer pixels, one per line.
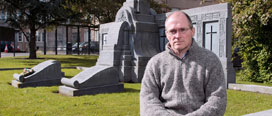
[{"x": 252, "y": 25}]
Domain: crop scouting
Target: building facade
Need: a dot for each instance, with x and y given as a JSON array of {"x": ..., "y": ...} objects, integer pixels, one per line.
[{"x": 21, "y": 43}]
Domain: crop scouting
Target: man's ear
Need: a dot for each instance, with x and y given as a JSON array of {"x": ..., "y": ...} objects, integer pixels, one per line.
[{"x": 193, "y": 31}]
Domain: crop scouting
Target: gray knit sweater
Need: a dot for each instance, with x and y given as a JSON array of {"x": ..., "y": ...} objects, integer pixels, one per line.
[{"x": 192, "y": 86}]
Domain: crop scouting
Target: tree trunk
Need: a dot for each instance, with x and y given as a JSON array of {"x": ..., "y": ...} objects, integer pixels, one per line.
[{"x": 32, "y": 44}]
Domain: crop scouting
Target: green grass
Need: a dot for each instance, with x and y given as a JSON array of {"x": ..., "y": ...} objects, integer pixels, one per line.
[
  {"x": 46, "y": 101},
  {"x": 241, "y": 103},
  {"x": 65, "y": 60}
]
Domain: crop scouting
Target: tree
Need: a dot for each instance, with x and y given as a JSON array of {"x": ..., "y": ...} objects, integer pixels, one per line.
[
  {"x": 32, "y": 15},
  {"x": 101, "y": 10},
  {"x": 104, "y": 11},
  {"x": 161, "y": 7},
  {"x": 252, "y": 25}
]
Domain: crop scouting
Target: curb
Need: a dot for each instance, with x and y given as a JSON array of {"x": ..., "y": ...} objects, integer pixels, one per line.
[
  {"x": 251, "y": 88},
  {"x": 262, "y": 113}
]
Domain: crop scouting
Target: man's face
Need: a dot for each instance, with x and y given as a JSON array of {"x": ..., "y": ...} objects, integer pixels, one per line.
[{"x": 178, "y": 32}]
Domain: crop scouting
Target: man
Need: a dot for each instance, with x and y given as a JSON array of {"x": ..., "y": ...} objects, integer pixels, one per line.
[{"x": 185, "y": 79}]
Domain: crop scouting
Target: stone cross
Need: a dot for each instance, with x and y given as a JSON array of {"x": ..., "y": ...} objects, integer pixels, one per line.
[
  {"x": 211, "y": 35},
  {"x": 105, "y": 39},
  {"x": 211, "y": 38}
]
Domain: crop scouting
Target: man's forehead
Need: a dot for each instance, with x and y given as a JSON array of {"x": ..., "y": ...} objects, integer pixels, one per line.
[
  {"x": 176, "y": 23},
  {"x": 177, "y": 18}
]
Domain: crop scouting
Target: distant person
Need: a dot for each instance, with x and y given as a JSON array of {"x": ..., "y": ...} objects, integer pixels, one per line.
[{"x": 185, "y": 79}]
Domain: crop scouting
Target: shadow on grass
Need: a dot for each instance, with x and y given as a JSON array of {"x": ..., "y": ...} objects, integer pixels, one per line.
[
  {"x": 69, "y": 77},
  {"x": 28, "y": 58},
  {"x": 29, "y": 62},
  {"x": 127, "y": 90},
  {"x": 55, "y": 91},
  {"x": 85, "y": 62},
  {"x": 75, "y": 62},
  {"x": 131, "y": 90}
]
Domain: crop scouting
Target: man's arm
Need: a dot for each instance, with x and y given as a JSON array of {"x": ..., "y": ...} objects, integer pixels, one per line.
[
  {"x": 150, "y": 104},
  {"x": 215, "y": 92}
]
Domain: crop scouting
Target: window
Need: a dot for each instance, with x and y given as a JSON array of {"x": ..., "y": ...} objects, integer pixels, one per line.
[
  {"x": 20, "y": 37},
  {"x": 74, "y": 37},
  {"x": 27, "y": 36},
  {"x": 38, "y": 36},
  {"x": 96, "y": 35},
  {"x": 3, "y": 15}
]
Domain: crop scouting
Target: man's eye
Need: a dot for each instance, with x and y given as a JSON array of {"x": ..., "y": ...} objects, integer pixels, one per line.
[
  {"x": 182, "y": 29},
  {"x": 173, "y": 31}
]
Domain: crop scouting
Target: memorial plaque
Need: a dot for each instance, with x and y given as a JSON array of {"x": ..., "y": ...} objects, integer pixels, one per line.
[{"x": 211, "y": 40}]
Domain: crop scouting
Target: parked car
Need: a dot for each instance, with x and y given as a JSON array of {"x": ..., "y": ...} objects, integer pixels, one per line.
[
  {"x": 94, "y": 47},
  {"x": 75, "y": 49},
  {"x": 83, "y": 47},
  {"x": 9, "y": 45}
]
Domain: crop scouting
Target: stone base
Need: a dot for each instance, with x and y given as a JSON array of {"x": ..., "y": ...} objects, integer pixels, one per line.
[
  {"x": 69, "y": 91},
  {"x": 18, "y": 84}
]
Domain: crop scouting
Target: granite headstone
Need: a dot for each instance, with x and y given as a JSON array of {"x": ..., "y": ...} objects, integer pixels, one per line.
[{"x": 47, "y": 73}]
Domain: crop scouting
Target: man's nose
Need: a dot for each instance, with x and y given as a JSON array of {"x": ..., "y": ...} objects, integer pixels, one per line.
[{"x": 178, "y": 34}]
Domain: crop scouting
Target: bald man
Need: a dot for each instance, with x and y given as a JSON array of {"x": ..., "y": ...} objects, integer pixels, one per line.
[{"x": 185, "y": 79}]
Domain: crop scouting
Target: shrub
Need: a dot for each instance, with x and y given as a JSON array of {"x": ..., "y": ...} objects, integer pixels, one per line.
[{"x": 252, "y": 25}]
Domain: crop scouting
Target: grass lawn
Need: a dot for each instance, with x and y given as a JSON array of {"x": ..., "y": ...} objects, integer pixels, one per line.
[{"x": 46, "y": 101}]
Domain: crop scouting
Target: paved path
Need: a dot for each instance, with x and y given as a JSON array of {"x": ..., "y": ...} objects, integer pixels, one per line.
[
  {"x": 3, "y": 54},
  {"x": 262, "y": 113},
  {"x": 11, "y": 54},
  {"x": 251, "y": 88}
]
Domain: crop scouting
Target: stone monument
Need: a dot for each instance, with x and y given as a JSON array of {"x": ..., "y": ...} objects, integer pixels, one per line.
[
  {"x": 146, "y": 35},
  {"x": 126, "y": 45},
  {"x": 47, "y": 73},
  {"x": 104, "y": 77},
  {"x": 137, "y": 34},
  {"x": 141, "y": 42}
]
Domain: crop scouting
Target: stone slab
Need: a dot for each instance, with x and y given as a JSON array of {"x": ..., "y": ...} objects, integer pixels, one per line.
[
  {"x": 251, "y": 88},
  {"x": 69, "y": 91},
  {"x": 262, "y": 113},
  {"x": 18, "y": 84}
]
